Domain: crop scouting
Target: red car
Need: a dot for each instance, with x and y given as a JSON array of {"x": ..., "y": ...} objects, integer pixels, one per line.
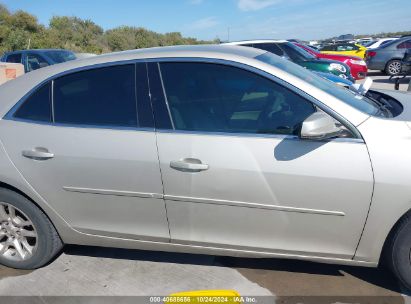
[{"x": 357, "y": 65}]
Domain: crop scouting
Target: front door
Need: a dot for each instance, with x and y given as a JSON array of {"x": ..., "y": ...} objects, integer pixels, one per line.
[{"x": 236, "y": 174}]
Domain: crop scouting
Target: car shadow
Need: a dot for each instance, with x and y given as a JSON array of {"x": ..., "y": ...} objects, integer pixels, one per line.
[
  {"x": 265, "y": 272},
  {"x": 375, "y": 73},
  {"x": 405, "y": 80}
]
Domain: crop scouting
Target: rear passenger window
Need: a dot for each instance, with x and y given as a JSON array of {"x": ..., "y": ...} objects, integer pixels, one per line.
[
  {"x": 14, "y": 58},
  {"x": 269, "y": 47},
  {"x": 219, "y": 98},
  {"x": 405, "y": 45},
  {"x": 103, "y": 97},
  {"x": 37, "y": 107}
]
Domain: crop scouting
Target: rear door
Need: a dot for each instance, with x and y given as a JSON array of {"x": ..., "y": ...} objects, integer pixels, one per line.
[
  {"x": 235, "y": 173},
  {"x": 86, "y": 143}
]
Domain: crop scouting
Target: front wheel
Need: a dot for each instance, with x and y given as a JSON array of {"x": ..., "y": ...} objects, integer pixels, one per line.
[
  {"x": 398, "y": 254},
  {"x": 28, "y": 239},
  {"x": 393, "y": 67}
]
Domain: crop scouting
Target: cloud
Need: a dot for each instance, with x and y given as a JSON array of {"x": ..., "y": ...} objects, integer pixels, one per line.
[
  {"x": 255, "y": 5},
  {"x": 204, "y": 23},
  {"x": 195, "y": 2}
]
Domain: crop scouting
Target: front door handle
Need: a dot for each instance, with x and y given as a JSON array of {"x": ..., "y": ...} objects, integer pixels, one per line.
[
  {"x": 189, "y": 165},
  {"x": 38, "y": 154}
]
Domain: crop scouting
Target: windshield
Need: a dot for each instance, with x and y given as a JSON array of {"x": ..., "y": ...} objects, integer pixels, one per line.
[
  {"x": 357, "y": 101},
  {"x": 296, "y": 53},
  {"x": 60, "y": 56}
]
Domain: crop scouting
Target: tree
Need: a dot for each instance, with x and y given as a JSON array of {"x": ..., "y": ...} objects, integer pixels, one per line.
[{"x": 20, "y": 30}]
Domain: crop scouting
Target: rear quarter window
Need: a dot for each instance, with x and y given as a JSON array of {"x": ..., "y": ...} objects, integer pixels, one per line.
[
  {"x": 102, "y": 97},
  {"x": 36, "y": 107}
]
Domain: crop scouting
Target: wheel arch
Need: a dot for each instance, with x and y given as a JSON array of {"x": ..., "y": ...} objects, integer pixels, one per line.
[
  {"x": 388, "y": 240},
  {"x": 54, "y": 218},
  {"x": 391, "y": 59}
]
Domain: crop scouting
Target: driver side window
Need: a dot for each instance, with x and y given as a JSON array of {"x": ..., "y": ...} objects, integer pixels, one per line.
[
  {"x": 35, "y": 62},
  {"x": 219, "y": 98}
]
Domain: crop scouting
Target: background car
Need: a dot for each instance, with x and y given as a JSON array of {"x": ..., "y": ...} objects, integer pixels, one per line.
[
  {"x": 36, "y": 59},
  {"x": 388, "y": 58},
  {"x": 378, "y": 43},
  {"x": 351, "y": 49},
  {"x": 357, "y": 65},
  {"x": 299, "y": 56}
]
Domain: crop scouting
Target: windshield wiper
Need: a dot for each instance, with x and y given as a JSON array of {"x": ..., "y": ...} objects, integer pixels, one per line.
[{"x": 382, "y": 106}]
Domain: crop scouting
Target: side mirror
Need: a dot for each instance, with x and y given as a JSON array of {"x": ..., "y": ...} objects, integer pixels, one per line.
[
  {"x": 363, "y": 87},
  {"x": 320, "y": 125}
]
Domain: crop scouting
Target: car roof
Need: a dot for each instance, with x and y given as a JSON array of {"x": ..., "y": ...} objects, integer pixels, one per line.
[
  {"x": 34, "y": 51},
  {"x": 201, "y": 51},
  {"x": 241, "y": 42},
  {"x": 13, "y": 91}
]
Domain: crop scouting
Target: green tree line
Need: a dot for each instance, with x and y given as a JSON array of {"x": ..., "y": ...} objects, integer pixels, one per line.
[{"x": 21, "y": 30}]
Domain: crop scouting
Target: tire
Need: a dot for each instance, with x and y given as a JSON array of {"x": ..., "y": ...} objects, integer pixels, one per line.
[
  {"x": 28, "y": 240},
  {"x": 393, "y": 67},
  {"x": 397, "y": 256}
]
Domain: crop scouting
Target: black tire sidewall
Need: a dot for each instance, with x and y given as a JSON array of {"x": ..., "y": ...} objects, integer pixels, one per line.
[
  {"x": 41, "y": 224},
  {"x": 400, "y": 255}
]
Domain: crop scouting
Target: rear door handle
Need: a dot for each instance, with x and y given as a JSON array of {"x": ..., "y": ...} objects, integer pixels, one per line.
[
  {"x": 189, "y": 165},
  {"x": 38, "y": 154}
]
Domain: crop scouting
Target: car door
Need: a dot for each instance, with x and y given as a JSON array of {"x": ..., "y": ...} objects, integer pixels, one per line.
[
  {"x": 235, "y": 173},
  {"x": 34, "y": 61},
  {"x": 85, "y": 142}
]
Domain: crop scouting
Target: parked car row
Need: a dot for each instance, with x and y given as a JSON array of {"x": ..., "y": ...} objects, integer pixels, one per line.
[
  {"x": 357, "y": 65},
  {"x": 384, "y": 54},
  {"x": 348, "y": 58},
  {"x": 301, "y": 57},
  {"x": 40, "y": 58}
]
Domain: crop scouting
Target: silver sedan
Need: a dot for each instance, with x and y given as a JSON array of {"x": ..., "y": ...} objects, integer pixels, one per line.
[{"x": 221, "y": 150}]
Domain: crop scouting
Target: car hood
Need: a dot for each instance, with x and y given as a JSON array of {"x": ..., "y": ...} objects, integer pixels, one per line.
[
  {"x": 322, "y": 60},
  {"x": 334, "y": 78},
  {"x": 405, "y": 99},
  {"x": 339, "y": 57}
]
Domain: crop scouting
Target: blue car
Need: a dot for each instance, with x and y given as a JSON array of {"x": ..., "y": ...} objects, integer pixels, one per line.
[{"x": 36, "y": 59}]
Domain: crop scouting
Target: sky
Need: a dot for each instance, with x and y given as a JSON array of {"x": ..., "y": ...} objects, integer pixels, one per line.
[{"x": 234, "y": 19}]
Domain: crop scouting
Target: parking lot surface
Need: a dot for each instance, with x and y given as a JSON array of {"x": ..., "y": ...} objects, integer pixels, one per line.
[
  {"x": 92, "y": 271},
  {"x": 382, "y": 81}
]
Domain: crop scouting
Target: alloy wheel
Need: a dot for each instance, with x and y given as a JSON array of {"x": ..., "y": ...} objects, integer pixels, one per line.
[
  {"x": 18, "y": 236},
  {"x": 394, "y": 67}
]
